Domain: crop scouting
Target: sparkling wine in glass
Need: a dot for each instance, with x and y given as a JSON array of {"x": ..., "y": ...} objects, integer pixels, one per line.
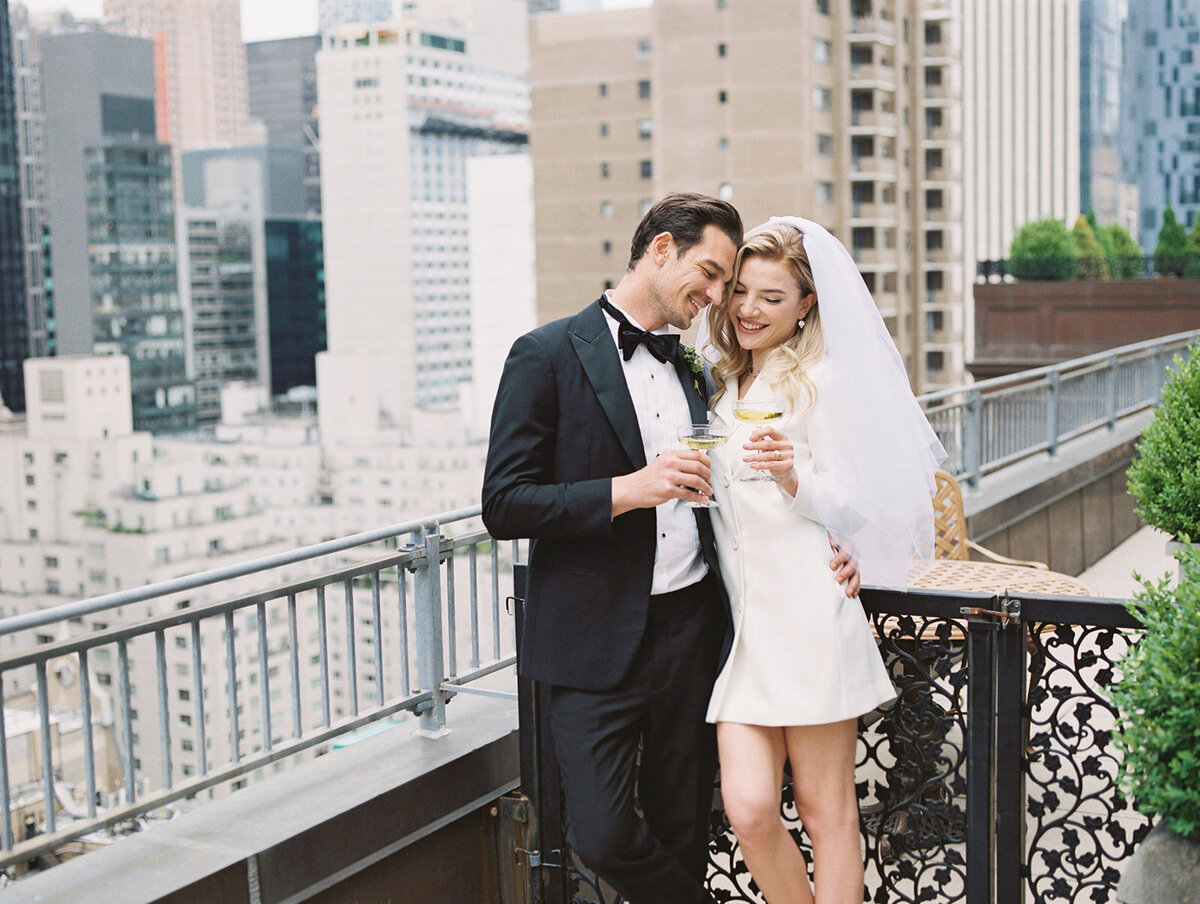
[
  {"x": 758, "y": 412},
  {"x": 703, "y": 438}
]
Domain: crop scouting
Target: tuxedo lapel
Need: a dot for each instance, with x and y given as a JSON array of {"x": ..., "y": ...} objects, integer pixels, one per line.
[
  {"x": 592, "y": 339},
  {"x": 693, "y": 388}
]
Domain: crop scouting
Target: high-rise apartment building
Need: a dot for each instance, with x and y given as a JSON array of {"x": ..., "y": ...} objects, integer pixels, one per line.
[
  {"x": 217, "y": 268},
  {"x": 1021, "y": 120},
  {"x": 403, "y": 107},
  {"x": 14, "y": 305},
  {"x": 111, "y": 218},
  {"x": 200, "y": 68},
  {"x": 1161, "y": 134},
  {"x": 245, "y": 189},
  {"x": 848, "y": 115},
  {"x": 283, "y": 97}
]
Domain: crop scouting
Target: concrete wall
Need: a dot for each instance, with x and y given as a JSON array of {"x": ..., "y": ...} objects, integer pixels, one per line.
[{"x": 1027, "y": 324}]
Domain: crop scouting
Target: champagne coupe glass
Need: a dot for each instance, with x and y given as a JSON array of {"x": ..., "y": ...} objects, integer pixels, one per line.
[
  {"x": 758, "y": 412},
  {"x": 704, "y": 438}
]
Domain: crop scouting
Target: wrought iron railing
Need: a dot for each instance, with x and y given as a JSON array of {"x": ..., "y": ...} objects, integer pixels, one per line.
[
  {"x": 420, "y": 616},
  {"x": 991, "y": 777},
  {"x": 996, "y": 422}
]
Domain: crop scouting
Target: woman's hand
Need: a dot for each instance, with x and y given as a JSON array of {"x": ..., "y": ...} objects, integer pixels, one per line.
[{"x": 771, "y": 451}]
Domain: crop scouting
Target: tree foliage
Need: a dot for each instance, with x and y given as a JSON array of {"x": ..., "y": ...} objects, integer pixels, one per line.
[
  {"x": 1171, "y": 252},
  {"x": 1124, "y": 254},
  {"x": 1093, "y": 263},
  {"x": 1043, "y": 250},
  {"x": 1164, "y": 479},
  {"x": 1158, "y": 724}
]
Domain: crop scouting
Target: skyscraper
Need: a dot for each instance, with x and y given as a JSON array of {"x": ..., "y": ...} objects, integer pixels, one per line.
[
  {"x": 1101, "y": 183},
  {"x": 855, "y": 121},
  {"x": 111, "y": 218},
  {"x": 200, "y": 68},
  {"x": 295, "y": 301},
  {"x": 14, "y": 327},
  {"x": 403, "y": 106},
  {"x": 1161, "y": 122},
  {"x": 31, "y": 151},
  {"x": 283, "y": 96}
]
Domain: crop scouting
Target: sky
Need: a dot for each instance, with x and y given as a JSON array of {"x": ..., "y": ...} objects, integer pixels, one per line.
[{"x": 261, "y": 19}]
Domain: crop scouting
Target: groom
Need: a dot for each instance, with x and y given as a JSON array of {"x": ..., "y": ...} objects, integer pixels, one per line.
[{"x": 625, "y": 614}]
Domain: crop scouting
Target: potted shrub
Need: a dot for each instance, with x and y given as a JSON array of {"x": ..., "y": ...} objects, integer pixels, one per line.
[
  {"x": 1164, "y": 478},
  {"x": 1043, "y": 250},
  {"x": 1158, "y": 734}
]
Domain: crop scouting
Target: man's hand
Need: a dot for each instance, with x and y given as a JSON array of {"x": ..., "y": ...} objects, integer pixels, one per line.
[
  {"x": 846, "y": 568},
  {"x": 674, "y": 474}
]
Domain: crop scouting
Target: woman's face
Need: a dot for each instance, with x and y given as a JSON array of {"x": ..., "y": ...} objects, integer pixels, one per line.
[{"x": 766, "y": 304}]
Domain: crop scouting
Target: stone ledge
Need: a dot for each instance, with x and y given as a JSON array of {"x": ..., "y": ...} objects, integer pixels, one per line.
[{"x": 307, "y": 828}]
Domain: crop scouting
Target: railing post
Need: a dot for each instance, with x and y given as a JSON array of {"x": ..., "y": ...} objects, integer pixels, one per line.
[
  {"x": 981, "y": 740},
  {"x": 1011, "y": 738},
  {"x": 1111, "y": 371},
  {"x": 973, "y": 439},
  {"x": 1052, "y": 413},
  {"x": 431, "y": 670}
]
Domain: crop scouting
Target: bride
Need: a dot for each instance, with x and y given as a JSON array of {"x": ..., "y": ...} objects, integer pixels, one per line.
[{"x": 850, "y": 458}]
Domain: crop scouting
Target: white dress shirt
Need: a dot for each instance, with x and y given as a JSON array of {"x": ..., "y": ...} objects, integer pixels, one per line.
[{"x": 662, "y": 411}]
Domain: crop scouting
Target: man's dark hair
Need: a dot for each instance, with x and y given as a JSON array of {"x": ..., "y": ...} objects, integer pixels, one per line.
[{"x": 685, "y": 215}]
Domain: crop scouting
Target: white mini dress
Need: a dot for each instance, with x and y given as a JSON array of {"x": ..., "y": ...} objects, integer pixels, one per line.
[{"x": 803, "y": 654}]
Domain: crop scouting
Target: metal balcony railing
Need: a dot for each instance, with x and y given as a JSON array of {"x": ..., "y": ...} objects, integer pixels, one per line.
[
  {"x": 995, "y": 422},
  {"x": 415, "y": 616}
]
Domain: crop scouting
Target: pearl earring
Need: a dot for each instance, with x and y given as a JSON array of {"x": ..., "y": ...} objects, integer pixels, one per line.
[{"x": 799, "y": 324}]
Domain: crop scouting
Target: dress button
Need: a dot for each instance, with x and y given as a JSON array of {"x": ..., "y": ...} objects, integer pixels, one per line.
[
  {"x": 724, "y": 481},
  {"x": 734, "y": 543}
]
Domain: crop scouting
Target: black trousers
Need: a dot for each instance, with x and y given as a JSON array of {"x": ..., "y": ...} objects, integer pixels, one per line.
[{"x": 645, "y": 829}]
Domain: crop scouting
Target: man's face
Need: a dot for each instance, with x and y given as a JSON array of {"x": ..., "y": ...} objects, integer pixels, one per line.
[{"x": 686, "y": 284}]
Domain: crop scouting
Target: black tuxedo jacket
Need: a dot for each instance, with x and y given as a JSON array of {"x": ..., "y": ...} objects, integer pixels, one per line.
[{"x": 563, "y": 426}]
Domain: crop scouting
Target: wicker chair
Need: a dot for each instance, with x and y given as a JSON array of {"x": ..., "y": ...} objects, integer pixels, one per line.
[{"x": 950, "y": 539}]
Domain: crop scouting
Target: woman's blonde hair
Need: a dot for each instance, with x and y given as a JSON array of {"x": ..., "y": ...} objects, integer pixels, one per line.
[{"x": 788, "y": 364}]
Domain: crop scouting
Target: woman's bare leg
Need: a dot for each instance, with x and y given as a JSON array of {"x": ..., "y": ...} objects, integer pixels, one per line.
[
  {"x": 822, "y": 758},
  {"x": 752, "y": 758}
]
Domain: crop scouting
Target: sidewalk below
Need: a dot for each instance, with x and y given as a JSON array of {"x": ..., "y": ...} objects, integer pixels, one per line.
[{"x": 1144, "y": 552}]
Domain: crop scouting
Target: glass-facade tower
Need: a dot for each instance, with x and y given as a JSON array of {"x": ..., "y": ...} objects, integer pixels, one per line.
[
  {"x": 295, "y": 301},
  {"x": 14, "y": 328}
]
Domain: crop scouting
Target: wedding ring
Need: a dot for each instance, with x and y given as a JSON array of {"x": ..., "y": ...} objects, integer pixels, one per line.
[{"x": 777, "y": 455}]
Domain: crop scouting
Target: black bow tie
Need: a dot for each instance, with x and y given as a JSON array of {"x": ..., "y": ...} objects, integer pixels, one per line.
[{"x": 663, "y": 346}]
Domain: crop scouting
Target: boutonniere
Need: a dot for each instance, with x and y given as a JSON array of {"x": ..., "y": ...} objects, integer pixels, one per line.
[{"x": 695, "y": 365}]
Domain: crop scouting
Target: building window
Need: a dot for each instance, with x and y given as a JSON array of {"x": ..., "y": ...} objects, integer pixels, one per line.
[
  {"x": 824, "y": 192},
  {"x": 606, "y": 209},
  {"x": 603, "y": 130},
  {"x": 723, "y": 145},
  {"x": 722, "y": 96},
  {"x": 823, "y": 7},
  {"x": 862, "y": 237},
  {"x": 935, "y": 361},
  {"x": 603, "y": 170},
  {"x": 721, "y": 50},
  {"x": 644, "y": 206},
  {"x": 606, "y": 247},
  {"x": 822, "y": 98},
  {"x": 825, "y": 145},
  {"x": 603, "y": 89},
  {"x": 725, "y": 192},
  {"x": 645, "y": 169},
  {"x": 821, "y": 50},
  {"x": 645, "y": 128},
  {"x": 934, "y": 199},
  {"x": 644, "y": 89},
  {"x": 643, "y": 49}
]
